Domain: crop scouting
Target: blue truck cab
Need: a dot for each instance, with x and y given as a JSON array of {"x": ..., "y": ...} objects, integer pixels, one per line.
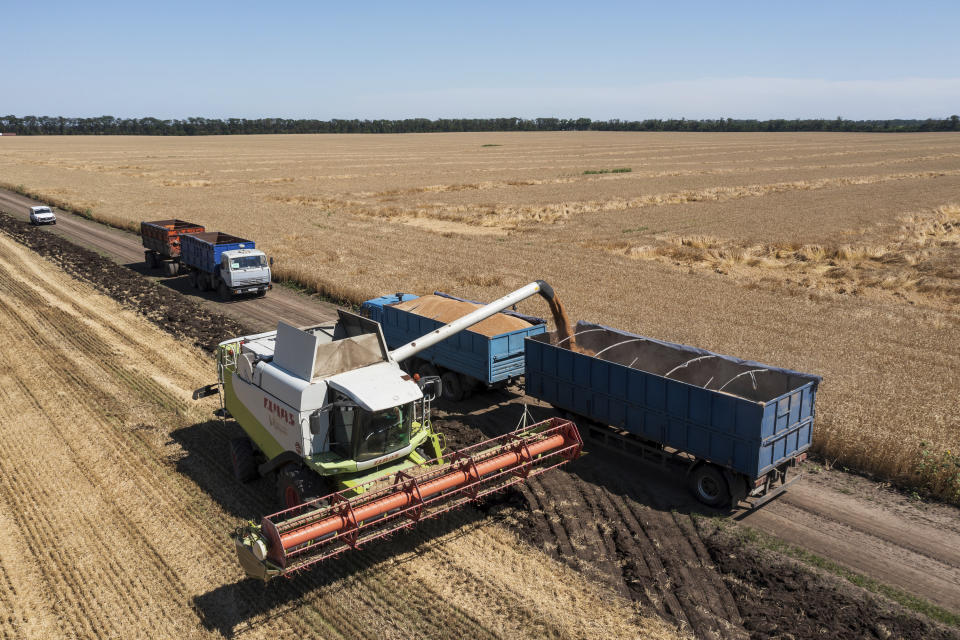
[
  {"x": 467, "y": 360},
  {"x": 225, "y": 263}
]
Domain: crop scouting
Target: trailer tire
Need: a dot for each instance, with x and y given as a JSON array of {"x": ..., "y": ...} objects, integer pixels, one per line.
[
  {"x": 244, "y": 460},
  {"x": 452, "y": 388},
  {"x": 223, "y": 291},
  {"x": 709, "y": 486},
  {"x": 171, "y": 268},
  {"x": 193, "y": 280},
  {"x": 296, "y": 484},
  {"x": 426, "y": 370},
  {"x": 150, "y": 259}
]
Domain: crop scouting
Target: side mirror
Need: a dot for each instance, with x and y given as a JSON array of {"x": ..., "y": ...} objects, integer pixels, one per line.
[
  {"x": 271, "y": 261},
  {"x": 432, "y": 387}
]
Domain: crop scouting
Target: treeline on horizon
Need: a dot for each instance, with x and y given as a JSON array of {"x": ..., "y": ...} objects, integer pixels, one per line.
[{"x": 109, "y": 125}]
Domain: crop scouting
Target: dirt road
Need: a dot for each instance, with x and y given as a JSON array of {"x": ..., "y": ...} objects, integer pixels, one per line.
[{"x": 855, "y": 522}]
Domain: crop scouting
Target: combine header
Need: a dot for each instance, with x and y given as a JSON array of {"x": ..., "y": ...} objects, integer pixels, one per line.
[
  {"x": 301, "y": 536},
  {"x": 347, "y": 433}
]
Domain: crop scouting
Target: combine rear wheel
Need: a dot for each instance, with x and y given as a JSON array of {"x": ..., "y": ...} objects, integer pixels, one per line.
[
  {"x": 296, "y": 484},
  {"x": 171, "y": 268},
  {"x": 244, "y": 459}
]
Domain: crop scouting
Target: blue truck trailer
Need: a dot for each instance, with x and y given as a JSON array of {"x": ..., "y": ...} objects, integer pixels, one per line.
[
  {"x": 221, "y": 262},
  {"x": 466, "y": 361},
  {"x": 737, "y": 425}
]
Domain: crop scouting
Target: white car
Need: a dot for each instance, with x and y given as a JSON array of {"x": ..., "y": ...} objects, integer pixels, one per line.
[{"x": 42, "y": 215}]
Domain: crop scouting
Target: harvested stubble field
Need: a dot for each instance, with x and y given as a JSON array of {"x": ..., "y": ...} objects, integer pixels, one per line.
[
  {"x": 116, "y": 499},
  {"x": 830, "y": 253}
]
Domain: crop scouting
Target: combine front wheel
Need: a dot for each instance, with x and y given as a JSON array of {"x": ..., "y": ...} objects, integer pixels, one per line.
[{"x": 296, "y": 484}]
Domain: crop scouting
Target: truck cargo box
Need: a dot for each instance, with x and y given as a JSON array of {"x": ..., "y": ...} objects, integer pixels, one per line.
[
  {"x": 489, "y": 359},
  {"x": 164, "y": 236},
  {"x": 203, "y": 250},
  {"x": 742, "y": 415}
]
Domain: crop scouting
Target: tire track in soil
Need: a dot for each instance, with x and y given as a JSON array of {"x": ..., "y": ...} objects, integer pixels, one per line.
[{"x": 569, "y": 512}]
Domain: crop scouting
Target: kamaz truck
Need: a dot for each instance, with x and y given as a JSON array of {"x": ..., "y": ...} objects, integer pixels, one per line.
[{"x": 224, "y": 263}]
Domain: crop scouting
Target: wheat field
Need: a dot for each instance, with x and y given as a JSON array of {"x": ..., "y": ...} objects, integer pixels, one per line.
[{"x": 835, "y": 254}]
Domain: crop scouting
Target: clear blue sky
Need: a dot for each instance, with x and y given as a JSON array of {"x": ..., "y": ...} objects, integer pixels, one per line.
[{"x": 628, "y": 60}]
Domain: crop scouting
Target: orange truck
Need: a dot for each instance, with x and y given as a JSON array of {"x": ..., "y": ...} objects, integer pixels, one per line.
[{"x": 161, "y": 243}]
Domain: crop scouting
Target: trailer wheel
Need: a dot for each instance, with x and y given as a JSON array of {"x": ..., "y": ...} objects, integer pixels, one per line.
[
  {"x": 452, "y": 388},
  {"x": 244, "y": 459},
  {"x": 427, "y": 370},
  {"x": 193, "y": 280},
  {"x": 296, "y": 484},
  {"x": 709, "y": 486},
  {"x": 171, "y": 268},
  {"x": 223, "y": 291},
  {"x": 149, "y": 259}
]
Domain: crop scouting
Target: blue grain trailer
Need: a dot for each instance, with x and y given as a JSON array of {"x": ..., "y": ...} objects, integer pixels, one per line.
[
  {"x": 465, "y": 361},
  {"x": 221, "y": 262},
  {"x": 738, "y": 425}
]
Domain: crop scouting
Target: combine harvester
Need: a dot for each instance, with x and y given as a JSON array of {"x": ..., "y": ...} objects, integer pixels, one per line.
[{"x": 328, "y": 408}]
